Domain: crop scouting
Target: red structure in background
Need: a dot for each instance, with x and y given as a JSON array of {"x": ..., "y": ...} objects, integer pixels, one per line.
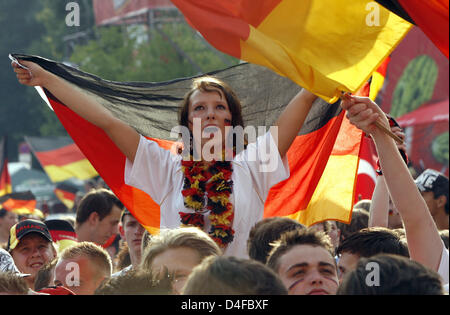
[
  {"x": 431, "y": 118},
  {"x": 421, "y": 125},
  {"x": 126, "y": 11}
]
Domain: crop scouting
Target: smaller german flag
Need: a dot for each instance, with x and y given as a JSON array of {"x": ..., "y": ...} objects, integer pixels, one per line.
[
  {"x": 61, "y": 158},
  {"x": 19, "y": 202},
  {"x": 66, "y": 193},
  {"x": 5, "y": 179}
]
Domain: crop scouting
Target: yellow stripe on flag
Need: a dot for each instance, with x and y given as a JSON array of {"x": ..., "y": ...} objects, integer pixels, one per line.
[
  {"x": 375, "y": 85},
  {"x": 325, "y": 46},
  {"x": 333, "y": 194},
  {"x": 81, "y": 169},
  {"x": 6, "y": 190}
]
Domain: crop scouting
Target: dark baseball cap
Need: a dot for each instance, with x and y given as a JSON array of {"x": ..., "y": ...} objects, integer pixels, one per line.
[
  {"x": 432, "y": 180},
  {"x": 25, "y": 227}
]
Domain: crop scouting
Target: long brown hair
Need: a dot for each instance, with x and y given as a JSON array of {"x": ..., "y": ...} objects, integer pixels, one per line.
[{"x": 212, "y": 84}]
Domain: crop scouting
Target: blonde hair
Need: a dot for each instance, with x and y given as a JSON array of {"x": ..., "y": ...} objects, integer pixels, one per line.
[
  {"x": 189, "y": 237},
  {"x": 233, "y": 276},
  {"x": 96, "y": 254}
]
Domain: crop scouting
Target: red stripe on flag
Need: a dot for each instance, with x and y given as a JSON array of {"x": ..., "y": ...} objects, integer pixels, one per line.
[
  {"x": 228, "y": 19},
  {"x": 432, "y": 17},
  {"x": 60, "y": 157},
  {"x": 307, "y": 156},
  {"x": 109, "y": 161}
]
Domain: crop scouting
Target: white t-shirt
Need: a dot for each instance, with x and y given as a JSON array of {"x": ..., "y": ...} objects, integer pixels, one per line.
[
  {"x": 158, "y": 172},
  {"x": 444, "y": 265}
]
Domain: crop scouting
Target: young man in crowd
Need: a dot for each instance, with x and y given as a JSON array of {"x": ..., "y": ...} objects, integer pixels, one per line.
[
  {"x": 366, "y": 243},
  {"x": 433, "y": 187},
  {"x": 7, "y": 220},
  {"x": 82, "y": 268},
  {"x": 304, "y": 261},
  {"x": 131, "y": 231},
  {"x": 98, "y": 216}
]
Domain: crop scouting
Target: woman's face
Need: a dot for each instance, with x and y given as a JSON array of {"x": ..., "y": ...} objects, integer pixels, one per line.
[{"x": 209, "y": 114}]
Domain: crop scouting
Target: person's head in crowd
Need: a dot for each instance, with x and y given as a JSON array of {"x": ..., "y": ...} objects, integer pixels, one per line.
[
  {"x": 12, "y": 284},
  {"x": 45, "y": 276},
  {"x": 98, "y": 216},
  {"x": 7, "y": 262},
  {"x": 363, "y": 204},
  {"x": 208, "y": 84},
  {"x": 131, "y": 232},
  {"x": 136, "y": 282},
  {"x": 360, "y": 220},
  {"x": 112, "y": 247},
  {"x": 123, "y": 257},
  {"x": 179, "y": 251},
  {"x": 82, "y": 268},
  {"x": 366, "y": 243},
  {"x": 304, "y": 261},
  {"x": 266, "y": 232},
  {"x": 401, "y": 232},
  {"x": 62, "y": 232},
  {"x": 444, "y": 237},
  {"x": 146, "y": 237},
  {"x": 31, "y": 246},
  {"x": 36, "y": 214},
  {"x": 218, "y": 275},
  {"x": 7, "y": 220},
  {"x": 394, "y": 217},
  {"x": 433, "y": 186},
  {"x": 90, "y": 185},
  {"x": 331, "y": 229},
  {"x": 387, "y": 274}
]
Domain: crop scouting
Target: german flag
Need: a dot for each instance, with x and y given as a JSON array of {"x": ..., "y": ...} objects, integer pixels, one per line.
[
  {"x": 430, "y": 15},
  {"x": 19, "y": 202},
  {"x": 323, "y": 159},
  {"x": 66, "y": 193},
  {"x": 5, "y": 179},
  {"x": 325, "y": 46},
  {"x": 61, "y": 158}
]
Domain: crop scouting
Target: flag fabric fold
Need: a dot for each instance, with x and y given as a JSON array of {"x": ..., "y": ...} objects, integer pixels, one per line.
[
  {"x": 432, "y": 16},
  {"x": 66, "y": 194},
  {"x": 5, "y": 179},
  {"x": 61, "y": 158},
  {"x": 325, "y": 46},
  {"x": 326, "y": 145},
  {"x": 21, "y": 203}
]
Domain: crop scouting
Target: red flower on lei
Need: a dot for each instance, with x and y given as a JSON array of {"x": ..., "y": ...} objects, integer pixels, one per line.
[{"x": 208, "y": 186}]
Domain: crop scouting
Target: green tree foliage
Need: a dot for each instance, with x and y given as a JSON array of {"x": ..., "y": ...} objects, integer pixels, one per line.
[
  {"x": 120, "y": 53},
  {"x": 416, "y": 85},
  {"x": 439, "y": 148},
  {"x": 21, "y": 111},
  {"x": 139, "y": 53}
]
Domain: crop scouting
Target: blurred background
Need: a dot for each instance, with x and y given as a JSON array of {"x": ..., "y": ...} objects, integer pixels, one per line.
[{"x": 149, "y": 40}]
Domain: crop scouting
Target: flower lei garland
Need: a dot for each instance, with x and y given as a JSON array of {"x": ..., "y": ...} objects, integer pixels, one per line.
[{"x": 210, "y": 181}]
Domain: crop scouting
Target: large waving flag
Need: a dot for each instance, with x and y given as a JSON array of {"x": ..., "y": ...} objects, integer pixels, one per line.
[
  {"x": 430, "y": 15},
  {"x": 60, "y": 158},
  {"x": 5, "y": 179},
  {"x": 323, "y": 159},
  {"x": 325, "y": 46}
]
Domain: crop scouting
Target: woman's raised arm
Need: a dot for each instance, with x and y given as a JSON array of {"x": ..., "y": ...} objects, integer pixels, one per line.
[
  {"x": 292, "y": 118},
  {"x": 123, "y": 135}
]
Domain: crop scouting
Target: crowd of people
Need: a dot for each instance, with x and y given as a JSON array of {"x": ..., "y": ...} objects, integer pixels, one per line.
[{"x": 222, "y": 245}]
